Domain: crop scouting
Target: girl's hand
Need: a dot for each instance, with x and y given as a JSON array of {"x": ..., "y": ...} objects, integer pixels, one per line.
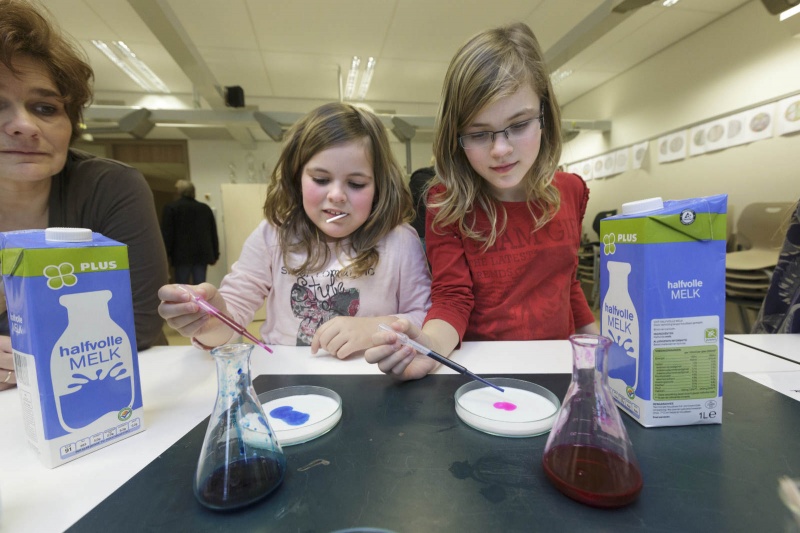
[
  {"x": 8, "y": 379},
  {"x": 344, "y": 336},
  {"x": 400, "y": 361},
  {"x": 189, "y": 319}
]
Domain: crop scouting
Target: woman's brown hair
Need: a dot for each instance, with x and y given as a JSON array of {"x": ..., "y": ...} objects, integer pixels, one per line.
[{"x": 25, "y": 31}]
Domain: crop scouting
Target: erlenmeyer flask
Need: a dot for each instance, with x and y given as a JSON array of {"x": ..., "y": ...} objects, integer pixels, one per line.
[
  {"x": 588, "y": 455},
  {"x": 241, "y": 461}
]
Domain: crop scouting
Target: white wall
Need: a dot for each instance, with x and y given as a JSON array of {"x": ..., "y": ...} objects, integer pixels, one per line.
[
  {"x": 742, "y": 59},
  {"x": 211, "y": 163}
]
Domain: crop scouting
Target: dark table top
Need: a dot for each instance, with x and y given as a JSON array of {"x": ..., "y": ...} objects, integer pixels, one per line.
[{"x": 401, "y": 459}]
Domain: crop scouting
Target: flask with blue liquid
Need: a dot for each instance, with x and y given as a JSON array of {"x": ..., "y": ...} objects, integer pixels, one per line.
[{"x": 241, "y": 461}]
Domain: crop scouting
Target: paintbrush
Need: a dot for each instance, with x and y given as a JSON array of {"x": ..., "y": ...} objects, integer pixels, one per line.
[
  {"x": 337, "y": 217},
  {"x": 403, "y": 339},
  {"x": 225, "y": 319}
]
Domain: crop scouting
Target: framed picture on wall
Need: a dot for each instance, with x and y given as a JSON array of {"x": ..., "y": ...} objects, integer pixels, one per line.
[
  {"x": 599, "y": 168},
  {"x": 640, "y": 151},
  {"x": 736, "y": 129},
  {"x": 672, "y": 147},
  {"x": 622, "y": 160},
  {"x": 697, "y": 140},
  {"x": 787, "y": 119},
  {"x": 716, "y": 135},
  {"x": 587, "y": 169},
  {"x": 760, "y": 122}
]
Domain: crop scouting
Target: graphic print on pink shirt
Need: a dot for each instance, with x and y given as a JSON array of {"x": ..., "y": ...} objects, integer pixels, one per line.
[{"x": 314, "y": 311}]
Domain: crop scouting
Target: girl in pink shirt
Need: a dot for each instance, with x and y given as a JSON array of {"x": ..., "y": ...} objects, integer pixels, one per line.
[{"x": 335, "y": 255}]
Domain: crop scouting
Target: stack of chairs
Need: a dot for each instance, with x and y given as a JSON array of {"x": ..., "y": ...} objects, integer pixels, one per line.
[
  {"x": 748, "y": 269},
  {"x": 589, "y": 262},
  {"x": 589, "y": 272}
]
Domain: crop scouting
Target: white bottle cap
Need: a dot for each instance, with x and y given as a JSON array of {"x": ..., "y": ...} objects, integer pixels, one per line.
[
  {"x": 68, "y": 235},
  {"x": 642, "y": 206}
]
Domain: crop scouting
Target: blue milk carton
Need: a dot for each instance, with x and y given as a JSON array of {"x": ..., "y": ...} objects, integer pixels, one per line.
[
  {"x": 662, "y": 279},
  {"x": 68, "y": 294}
]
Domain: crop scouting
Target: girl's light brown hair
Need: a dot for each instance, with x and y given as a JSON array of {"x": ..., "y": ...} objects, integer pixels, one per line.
[
  {"x": 26, "y": 32},
  {"x": 327, "y": 126},
  {"x": 490, "y": 66}
]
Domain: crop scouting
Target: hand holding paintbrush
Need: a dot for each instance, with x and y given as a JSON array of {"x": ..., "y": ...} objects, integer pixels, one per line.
[
  {"x": 404, "y": 339},
  {"x": 228, "y": 321},
  {"x": 186, "y": 322}
]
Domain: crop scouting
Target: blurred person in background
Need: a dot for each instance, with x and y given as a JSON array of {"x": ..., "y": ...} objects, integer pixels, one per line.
[{"x": 190, "y": 235}]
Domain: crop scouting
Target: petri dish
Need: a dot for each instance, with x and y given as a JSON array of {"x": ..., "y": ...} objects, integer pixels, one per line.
[
  {"x": 301, "y": 413},
  {"x": 525, "y": 409}
]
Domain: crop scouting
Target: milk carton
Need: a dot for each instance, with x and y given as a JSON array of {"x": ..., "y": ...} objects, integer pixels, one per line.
[
  {"x": 70, "y": 310},
  {"x": 662, "y": 280}
]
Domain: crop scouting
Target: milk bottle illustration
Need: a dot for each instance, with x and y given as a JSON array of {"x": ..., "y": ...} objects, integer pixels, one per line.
[
  {"x": 621, "y": 324},
  {"x": 91, "y": 359}
]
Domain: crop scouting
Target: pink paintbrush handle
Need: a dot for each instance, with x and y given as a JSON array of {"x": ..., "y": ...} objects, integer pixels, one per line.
[{"x": 228, "y": 321}]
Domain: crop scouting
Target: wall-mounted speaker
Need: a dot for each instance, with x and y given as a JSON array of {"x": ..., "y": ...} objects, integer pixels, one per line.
[
  {"x": 778, "y": 6},
  {"x": 234, "y": 96}
]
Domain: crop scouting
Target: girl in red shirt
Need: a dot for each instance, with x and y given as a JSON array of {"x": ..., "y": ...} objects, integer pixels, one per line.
[{"x": 503, "y": 226}]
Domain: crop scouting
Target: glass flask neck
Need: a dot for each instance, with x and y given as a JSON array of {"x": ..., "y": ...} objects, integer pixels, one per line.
[
  {"x": 590, "y": 352},
  {"x": 233, "y": 369}
]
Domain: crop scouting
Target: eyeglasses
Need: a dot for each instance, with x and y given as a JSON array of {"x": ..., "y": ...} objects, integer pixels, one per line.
[
  {"x": 485, "y": 139},
  {"x": 520, "y": 130}
]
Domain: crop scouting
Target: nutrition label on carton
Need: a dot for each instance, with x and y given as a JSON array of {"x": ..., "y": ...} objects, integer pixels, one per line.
[{"x": 685, "y": 358}]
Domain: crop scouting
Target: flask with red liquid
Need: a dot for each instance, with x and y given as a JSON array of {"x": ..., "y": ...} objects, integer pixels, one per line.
[{"x": 589, "y": 456}]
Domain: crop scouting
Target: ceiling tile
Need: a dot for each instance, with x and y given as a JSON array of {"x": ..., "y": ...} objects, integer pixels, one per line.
[
  {"x": 123, "y": 21},
  {"x": 433, "y": 31},
  {"x": 239, "y": 67},
  {"x": 305, "y": 75},
  {"x": 80, "y": 21},
  {"x": 552, "y": 19},
  {"x": 217, "y": 24},
  {"x": 422, "y": 81},
  {"x": 354, "y": 27}
]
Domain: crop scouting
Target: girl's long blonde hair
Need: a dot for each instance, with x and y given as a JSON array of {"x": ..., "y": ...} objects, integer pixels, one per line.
[
  {"x": 327, "y": 126},
  {"x": 490, "y": 66}
]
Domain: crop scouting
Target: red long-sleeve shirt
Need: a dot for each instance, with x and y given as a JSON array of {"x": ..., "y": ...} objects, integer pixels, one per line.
[{"x": 522, "y": 288}]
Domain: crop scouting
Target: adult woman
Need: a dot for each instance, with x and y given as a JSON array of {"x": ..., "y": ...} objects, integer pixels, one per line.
[{"x": 44, "y": 85}]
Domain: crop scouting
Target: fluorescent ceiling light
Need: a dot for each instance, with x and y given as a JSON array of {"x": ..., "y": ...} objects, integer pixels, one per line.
[
  {"x": 124, "y": 58},
  {"x": 790, "y": 12},
  {"x": 667, "y": 3},
  {"x": 560, "y": 75},
  {"x": 352, "y": 79},
  {"x": 366, "y": 78}
]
